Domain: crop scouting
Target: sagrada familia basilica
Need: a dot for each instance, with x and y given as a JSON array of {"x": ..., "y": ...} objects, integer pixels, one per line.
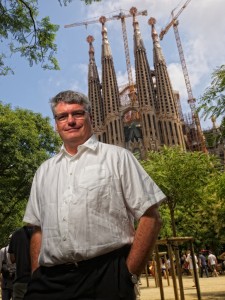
[{"x": 142, "y": 116}]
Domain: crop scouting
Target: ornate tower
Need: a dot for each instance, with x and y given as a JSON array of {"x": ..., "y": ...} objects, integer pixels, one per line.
[
  {"x": 170, "y": 127},
  {"x": 94, "y": 93},
  {"x": 110, "y": 93},
  {"x": 145, "y": 90}
]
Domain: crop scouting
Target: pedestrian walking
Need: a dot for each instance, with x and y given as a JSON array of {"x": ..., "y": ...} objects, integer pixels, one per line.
[
  {"x": 212, "y": 262},
  {"x": 203, "y": 265}
]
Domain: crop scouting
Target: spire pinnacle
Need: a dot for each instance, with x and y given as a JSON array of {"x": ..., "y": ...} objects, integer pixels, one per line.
[
  {"x": 90, "y": 39},
  {"x": 105, "y": 41},
  {"x": 152, "y": 22}
]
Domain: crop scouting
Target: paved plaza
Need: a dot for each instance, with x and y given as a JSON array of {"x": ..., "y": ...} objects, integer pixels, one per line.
[{"x": 212, "y": 288}]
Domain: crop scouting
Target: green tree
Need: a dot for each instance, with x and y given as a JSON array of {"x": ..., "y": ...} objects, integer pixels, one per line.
[
  {"x": 183, "y": 177},
  {"x": 220, "y": 194},
  {"x": 213, "y": 100},
  {"x": 26, "y": 140},
  {"x": 25, "y": 33}
]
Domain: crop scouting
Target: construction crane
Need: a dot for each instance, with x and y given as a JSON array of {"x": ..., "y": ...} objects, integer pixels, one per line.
[
  {"x": 174, "y": 18},
  {"x": 121, "y": 16},
  {"x": 191, "y": 100}
]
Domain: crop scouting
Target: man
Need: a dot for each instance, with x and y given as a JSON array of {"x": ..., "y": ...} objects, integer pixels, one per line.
[
  {"x": 83, "y": 203},
  {"x": 203, "y": 265},
  {"x": 19, "y": 250},
  {"x": 212, "y": 263},
  {"x": 7, "y": 273}
]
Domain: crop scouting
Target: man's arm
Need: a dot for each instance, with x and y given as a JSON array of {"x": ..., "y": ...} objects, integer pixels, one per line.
[
  {"x": 144, "y": 240},
  {"x": 1, "y": 259},
  {"x": 35, "y": 247},
  {"x": 209, "y": 263},
  {"x": 216, "y": 262},
  {"x": 12, "y": 258}
]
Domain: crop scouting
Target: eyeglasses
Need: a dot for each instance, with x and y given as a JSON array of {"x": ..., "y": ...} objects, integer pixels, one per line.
[{"x": 77, "y": 115}]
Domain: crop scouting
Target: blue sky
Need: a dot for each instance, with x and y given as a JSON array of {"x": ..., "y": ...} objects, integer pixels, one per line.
[{"x": 201, "y": 28}]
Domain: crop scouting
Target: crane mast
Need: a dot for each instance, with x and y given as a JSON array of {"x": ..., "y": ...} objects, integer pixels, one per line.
[
  {"x": 191, "y": 99},
  {"x": 121, "y": 16},
  {"x": 127, "y": 54}
]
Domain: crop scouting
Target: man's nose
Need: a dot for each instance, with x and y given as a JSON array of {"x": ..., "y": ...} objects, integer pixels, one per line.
[{"x": 71, "y": 119}]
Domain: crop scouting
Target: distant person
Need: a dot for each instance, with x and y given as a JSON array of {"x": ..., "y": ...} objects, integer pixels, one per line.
[
  {"x": 83, "y": 204},
  {"x": 222, "y": 256},
  {"x": 203, "y": 265},
  {"x": 184, "y": 264},
  {"x": 190, "y": 261},
  {"x": 212, "y": 262},
  {"x": 19, "y": 250},
  {"x": 7, "y": 273},
  {"x": 169, "y": 266},
  {"x": 163, "y": 268},
  {"x": 151, "y": 268}
]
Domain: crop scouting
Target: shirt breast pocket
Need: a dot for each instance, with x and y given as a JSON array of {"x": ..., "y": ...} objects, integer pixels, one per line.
[
  {"x": 92, "y": 177},
  {"x": 95, "y": 183}
]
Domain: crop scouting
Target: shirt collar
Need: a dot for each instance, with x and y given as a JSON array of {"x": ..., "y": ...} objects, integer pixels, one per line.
[{"x": 91, "y": 144}]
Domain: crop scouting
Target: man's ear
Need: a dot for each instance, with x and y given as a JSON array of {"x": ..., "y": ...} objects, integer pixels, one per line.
[{"x": 56, "y": 127}]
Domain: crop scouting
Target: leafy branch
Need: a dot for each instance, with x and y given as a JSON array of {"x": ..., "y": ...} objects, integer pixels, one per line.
[
  {"x": 33, "y": 39},
  {"x": 213, "y": 100}
]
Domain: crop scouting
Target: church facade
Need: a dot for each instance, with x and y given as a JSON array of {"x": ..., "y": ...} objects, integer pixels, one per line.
[{"x": 141, "y": 117}]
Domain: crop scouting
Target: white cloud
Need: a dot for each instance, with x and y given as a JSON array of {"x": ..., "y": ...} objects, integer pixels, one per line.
[{"x": 177, "y": 79}]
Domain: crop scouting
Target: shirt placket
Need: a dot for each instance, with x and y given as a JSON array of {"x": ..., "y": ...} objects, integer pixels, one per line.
[{"x": 67, "y": 197}]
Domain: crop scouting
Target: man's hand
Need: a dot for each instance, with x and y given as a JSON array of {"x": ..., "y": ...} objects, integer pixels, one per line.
[{"x": 144, "y": 240}]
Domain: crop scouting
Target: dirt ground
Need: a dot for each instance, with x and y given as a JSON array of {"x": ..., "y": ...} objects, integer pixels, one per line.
[{"x": 212, "y": 288}]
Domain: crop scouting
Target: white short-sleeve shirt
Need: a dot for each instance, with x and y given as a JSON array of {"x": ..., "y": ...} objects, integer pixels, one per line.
[{"x": 86, "y": 204}]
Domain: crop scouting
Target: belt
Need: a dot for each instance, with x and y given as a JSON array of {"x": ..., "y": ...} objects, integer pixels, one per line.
[{"x": 72, "y": 266}]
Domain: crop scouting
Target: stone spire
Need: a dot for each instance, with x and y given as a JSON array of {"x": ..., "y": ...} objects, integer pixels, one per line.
[
  {"x": 94, "y": 92},
  {"x": 145, "y": 89},
  {"x": 110, "y": 93},
  {"x": 170, "y": 127}
]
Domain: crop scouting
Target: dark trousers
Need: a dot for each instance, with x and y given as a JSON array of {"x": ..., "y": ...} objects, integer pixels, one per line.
[
  {"x": 102, "y": 278},
  {"x": 202, "y": 269},
  {"x": 6, "y": 294},
  {"x": 19, "y": 290},
  {"x": 7, "y": 288}
]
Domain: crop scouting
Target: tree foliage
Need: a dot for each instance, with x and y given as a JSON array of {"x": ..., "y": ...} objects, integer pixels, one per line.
[
  {"x": 213, "y": 100},
  {"x": 190, "y": 181},
  {"x": 25, "y": 34},
  {"x": 26, "y": 140}
]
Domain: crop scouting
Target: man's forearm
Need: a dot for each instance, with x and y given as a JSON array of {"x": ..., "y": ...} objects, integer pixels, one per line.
[
  {"x": 12, "y": 258},
  {"x": 35, "y": 247},
  {"x": 144, "y": 240}
]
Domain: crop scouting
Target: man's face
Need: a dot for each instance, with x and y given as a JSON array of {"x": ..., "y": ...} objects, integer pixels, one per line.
[{"x": 73, "y": 123}]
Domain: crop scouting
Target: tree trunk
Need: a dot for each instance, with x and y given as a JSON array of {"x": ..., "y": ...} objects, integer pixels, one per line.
[{"x": 171, "y": 208}]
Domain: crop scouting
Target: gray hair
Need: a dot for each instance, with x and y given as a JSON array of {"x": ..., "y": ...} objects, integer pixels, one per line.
[{"x": 70, "y": 97}]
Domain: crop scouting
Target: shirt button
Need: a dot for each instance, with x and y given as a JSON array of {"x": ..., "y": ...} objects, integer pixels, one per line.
[
  {"x": 64, "y": 219},
  {"x": 64, "y": 238}
]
